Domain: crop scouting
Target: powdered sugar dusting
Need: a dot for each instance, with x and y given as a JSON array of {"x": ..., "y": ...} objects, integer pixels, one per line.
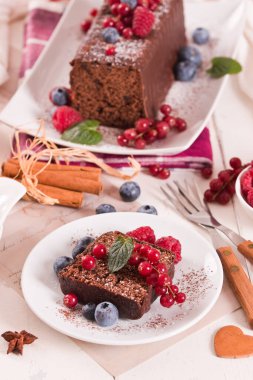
[{"x": 128, "y": 51}]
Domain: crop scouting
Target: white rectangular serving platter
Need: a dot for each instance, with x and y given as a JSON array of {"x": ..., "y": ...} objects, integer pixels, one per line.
[{"x": 195, "y": 101}]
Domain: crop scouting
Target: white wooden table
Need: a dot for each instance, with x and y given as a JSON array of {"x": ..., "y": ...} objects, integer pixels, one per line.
[{"x": 187, "y": 356}]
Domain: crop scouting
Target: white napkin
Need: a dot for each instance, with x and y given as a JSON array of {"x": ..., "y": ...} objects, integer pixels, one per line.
[{"x": 9, "y": 9}]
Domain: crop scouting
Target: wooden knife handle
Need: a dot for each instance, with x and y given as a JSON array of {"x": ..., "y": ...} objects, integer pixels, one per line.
[
  {"x": 246, "y": 248},
  {"x": 238, "y": 280}
]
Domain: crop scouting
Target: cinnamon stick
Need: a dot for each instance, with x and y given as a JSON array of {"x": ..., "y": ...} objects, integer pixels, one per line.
[
  {"x": 12, "y": 167},
  {"x": 70, "y": 180},
  {"x": 38, "y": 165},
  {"x": 65, "y": 197}
]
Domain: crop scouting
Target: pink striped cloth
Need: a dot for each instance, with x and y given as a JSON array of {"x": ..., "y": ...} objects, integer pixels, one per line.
[{"x": 42, "y": 18}]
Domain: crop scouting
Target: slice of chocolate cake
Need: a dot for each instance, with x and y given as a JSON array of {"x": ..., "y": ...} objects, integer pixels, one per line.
[
  {"x": 125, "y": 288},
  {"x": 119, "y": 89}
]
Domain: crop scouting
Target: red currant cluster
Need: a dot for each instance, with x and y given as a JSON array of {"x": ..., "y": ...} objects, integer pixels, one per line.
[
  {"x": 86, "y": 24},
  {"x": 158, "y": 171},
  {"x": 222, "y": 189},
  {"x": 147, "y": 131},
  {"x": 147, "y": 260}
]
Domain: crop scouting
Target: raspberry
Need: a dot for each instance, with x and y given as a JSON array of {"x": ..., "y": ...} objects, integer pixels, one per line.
[
  {"x": 143, "y": 21},
  {"x": 250, "y": 197},
  {"x": 172, "y": 244},
  {"x": 65, "y": 117},
  {"x": 247, "y": 181},
  {"x": 144, "y": 234}
]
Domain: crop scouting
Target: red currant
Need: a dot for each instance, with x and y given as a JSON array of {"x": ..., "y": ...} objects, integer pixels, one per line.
[
  {"x": 122, "y": 141},
  {"x": 85, "y": 25},
  {"x": 123, "y": 9},
  {"x": 150, "y": 136},
  {"x": 143, "y": 125},
  {"x": 130, "y": 134},
  {"x": 208, "y": 195},
  {"x": 135, "y": 259},
  {"x": 93, "y": 12},
  {"x": 206, "y": 172},
  {"x": 164, "y": 173},
  {"x": 119, "y": 26},
  {"x": 145, "y": 268},
  {"x": 144, "y": 250},
  {"x": 127, "y": 33},
  {"x": 88, "y": 262},
  {"x": 216, "y": 184},
  {"x": 181, "y": 124},
  {"x": 162, "y": 268},
  {"x": 164, "y": 280},
  {"x": 108, "y": 23},
  {"x": 166, "y": 109},
  {"x": 111, "y": 50},
  {"x": 153, "y": 256},
  {"x": 99, "y": 251},
  {"x": 114, "y": 9},
  {"x": 235, "y": 163},
  {"x": 162, "y": 129},
  {"x": 180, "y": 297},
  {"x": 160, "y": 290},
  {"x": 170, "y": 120},
  {"x": 139, "y": 143},
  {"x": 166, "y": 300},
  {"x": 223, "y": 198},
  {"x": 224, "y": 175},
  {"x": 154, "y": 170},
  {"x": 70, "y": 300},
  {"x": 174, "y": 289}
]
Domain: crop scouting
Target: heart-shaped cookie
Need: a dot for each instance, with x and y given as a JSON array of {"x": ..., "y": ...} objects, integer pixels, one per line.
[{"x": 230, "y": 342}]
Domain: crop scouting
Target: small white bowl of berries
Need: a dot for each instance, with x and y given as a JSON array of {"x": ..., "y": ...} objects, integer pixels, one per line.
[{"x": 244, "y": 189}]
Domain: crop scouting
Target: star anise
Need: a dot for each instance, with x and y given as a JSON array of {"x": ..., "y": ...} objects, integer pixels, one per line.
[{"x": 17, "y": 340}]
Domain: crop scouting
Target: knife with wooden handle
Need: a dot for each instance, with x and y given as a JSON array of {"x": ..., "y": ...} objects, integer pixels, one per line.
[{"x": 236, "y": 276}]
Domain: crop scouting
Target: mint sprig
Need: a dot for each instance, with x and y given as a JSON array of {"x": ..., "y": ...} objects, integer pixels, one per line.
[
  {"x": 222, "y": 66},
  {"x": 120, "y": 253},
  {"x": 85, "y": 132}
]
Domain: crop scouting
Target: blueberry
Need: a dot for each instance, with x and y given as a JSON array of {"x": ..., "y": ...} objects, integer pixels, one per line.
[
  {"x": 110, "y": 35},
  {"x": 81, "y": 245},
  {"x": 104, "y": 208},
  {"x": 130, "y": 191},
  {"x": 62, "y": 262},
  {"x": 131, "y": 3},
  {"x": 59, "y": 96},
  {"x": 148, "y": 209},
  {"x": 106, "y": 314},
  {"x": 200, "y": 36},
  {"x": 88, "y": 311},
  {"x": 190, "y": 53},
  {"x": 185, "y": 71}
]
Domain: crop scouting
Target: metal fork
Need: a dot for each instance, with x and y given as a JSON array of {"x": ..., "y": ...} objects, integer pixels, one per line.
[
  {"x": 194, "y": 210},
  {"x": 190, "y": 207}
]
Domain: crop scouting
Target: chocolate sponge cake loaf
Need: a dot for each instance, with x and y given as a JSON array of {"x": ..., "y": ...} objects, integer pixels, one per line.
[
  {"x": 132, "y": 82},
  {"x": 125, "y": 288}
]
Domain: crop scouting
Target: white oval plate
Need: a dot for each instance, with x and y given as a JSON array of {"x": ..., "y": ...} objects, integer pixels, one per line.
[
  {"x": 199, "y": 274},
  {"x": 194, "y": 101}
]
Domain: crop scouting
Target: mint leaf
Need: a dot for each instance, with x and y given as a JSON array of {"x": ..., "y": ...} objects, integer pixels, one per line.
[
  {"x": 83, "y": 133},
  {"x": 222, "y": 66},
  {"x": 120, "y": 253}
]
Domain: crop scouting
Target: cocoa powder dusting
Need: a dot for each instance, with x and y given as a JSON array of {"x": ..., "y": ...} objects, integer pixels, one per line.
[{"x": 195, "y": 283}]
